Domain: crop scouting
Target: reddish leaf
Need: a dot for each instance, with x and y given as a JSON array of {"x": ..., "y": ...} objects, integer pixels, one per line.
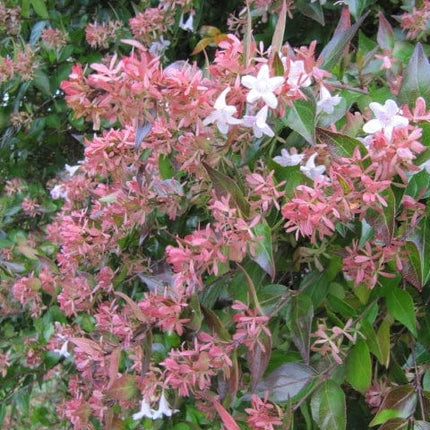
[
  {"x": 135, "y": 309},
  {"x": 88, "y": 346},
  {"x": 258, "y": 358},
  {"x": 385, "y": 35},
  {"x": 115, "y": 357},
  {"x": 278, "y": 34},
  {"x": 124, "y": 388},
  {"x": 228, "y": 421}
]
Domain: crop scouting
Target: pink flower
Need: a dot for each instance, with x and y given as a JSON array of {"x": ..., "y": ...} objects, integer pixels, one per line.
[{"x": 263, "y": 415}]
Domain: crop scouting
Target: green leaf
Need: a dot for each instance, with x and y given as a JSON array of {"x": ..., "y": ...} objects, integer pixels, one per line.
[
  {"x": 332, "y": 53},
  {"x": 328, "y": 406},
  {"x": 41, "y": 82},
  {"x": 383, "y": 221},
  {"x": 301, "y": 118},
  {"x": 400, "y": 402},
  {"x": 286, "y": 381},
  {"x": 357, "y": 7},
  {"x": 311, "y": 10},
  {"x": 395, "y": 424},
  {"x": 299, "y": 316},
  {"x": 359, "y": 367},
  {"x": 263, "y": 249},
  {"x": 340, "y": 145},
  {"x": 401, "y": 307},
  {"x": 419, "y": 185},
  {"x": 39, "y": 7},
  {"x": 36, "y": 31},
  {"x": 385, "y": 36},
  {"x": 165, "y": 167},
  {"x": 416, "y": 78},
  {"x": 224, "y": 185},
  {"x": 383, "y": 339}
]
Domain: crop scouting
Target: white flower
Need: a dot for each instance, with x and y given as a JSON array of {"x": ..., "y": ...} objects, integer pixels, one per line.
[
  {"x": 297, "y": 76},
  {"x": 262, "y": 87},
  {"x": 145, "y": 411},
  {"x": 188, "y": 24},
  {"x": 158, "y": 47},
  {"x": 386, "y": 118},
  {"x": 287, "y": 159},
  {"x": 148, "y": 412},
  {"x": 310, "y": 170},
  {"x": 63, "y": 352},
  {"x": 327, "y": 102},
  {"x": 223, "y": 114},
  {"x": 163, "y": 409},
  {"x": 59, "y": 192},
  {"x": 258, "y": 123},
  {"x": 71, "y": 170},
  {"x": 426, "y": 166}
]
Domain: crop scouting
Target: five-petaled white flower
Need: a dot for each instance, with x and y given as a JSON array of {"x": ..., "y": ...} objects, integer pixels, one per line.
[
  {"x": 262, "y": 86},
  {"x": 258, "y": 123},
  {"x": 287, "y": 159},
  {"x": 223, "y": 114},
  {"x": 148, "y": 412},
  {"x": 386, "y": 118},
  {"x": 297, "y": 76},
  {"x": 327, "y": 102},
  {"x": 311, "y": 170},
  {"x": 71, "y": 170},
  {"x": 188, "y": 25}
]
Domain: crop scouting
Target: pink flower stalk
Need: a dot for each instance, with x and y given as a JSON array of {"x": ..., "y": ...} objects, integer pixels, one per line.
[
  {"x": 330, "y": 343},
  {"x": 263, "y": 415},
  {"x": 191, "y": 370}
]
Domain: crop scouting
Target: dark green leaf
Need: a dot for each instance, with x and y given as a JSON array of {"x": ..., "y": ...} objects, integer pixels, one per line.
[
  {"x": 357, "y": 7},
  {"x": 395, "y": 424},
  {"x": 416, "y": 78},
  {"x": 332, "y": 53},
  {"x": 400, "y": 402},
  {"x": 301, "y": 118},
  {"x": 328, "y": 406},
  {"x": 311, "y": 10},
  {"x": 383, "y": 339},
  {"x": 401, "y": 307},
  {"x": 340, "y": 145},
  {"x": 359, "y": 366},
  {"x": 224, "y": 185},
  {"x": 36, "y": 31},
  {"x": 165, "y": 167},
  {"x": 383, "y": 221},
  {"x": 299, "y": 315},
  {"x": 286, "y": 381},
  {"x": 419, "y": 185}
]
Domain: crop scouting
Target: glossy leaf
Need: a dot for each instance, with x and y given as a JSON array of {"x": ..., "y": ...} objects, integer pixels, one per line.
[
  {"x": 395, "y": 424},
  {"x": 278, "y": 34},
  {"x": 332, "y": 53},
  {"x": 224, "y": 185},
  {"x": 359, "y": 366},
  {"x": 299, "y": 316},
  {"x": 419, "y": 185},
  {"x": 285, "y": 382},
  {"x": 328, "y": 406},
  {"x": 312, "y": 10},
  {"x": 416, "y": 78},
  {"x": 411, "y": 267},
  {"x": 383, "y": 221},
  {"x": 385, "y": 36},
  {"x": 383, "y": 339},
  {"x": 263, "y": 250},
  {"x": 401, "y": 307},
  {"x": 340, "y": 145},
  {"x": 301, "y": 118},
  {"x": 357, "y": 7},
  {"x": 421, "y": 425},
  {"x": 258, "y": 358},
  {"x": 228, "y": 421},
  {"x": 400, "y": 402}
]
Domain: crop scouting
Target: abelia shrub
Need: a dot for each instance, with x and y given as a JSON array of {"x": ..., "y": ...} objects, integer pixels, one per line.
[{"x": 236, "y": 242}]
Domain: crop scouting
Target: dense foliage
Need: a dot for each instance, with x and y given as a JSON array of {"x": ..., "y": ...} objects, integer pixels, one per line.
[{"x": 214, "y": 215}]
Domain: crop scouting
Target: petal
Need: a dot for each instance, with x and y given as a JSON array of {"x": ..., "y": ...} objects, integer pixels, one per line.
[
  {"x": 249, "y": 81},
  {"x": 270, "y": 99},
  {"x": 253, "y": 96},
  {"x": 372, "y": 126},
  {"x": 220, "y": 101},
  {"x": 276, "y": 82}
]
